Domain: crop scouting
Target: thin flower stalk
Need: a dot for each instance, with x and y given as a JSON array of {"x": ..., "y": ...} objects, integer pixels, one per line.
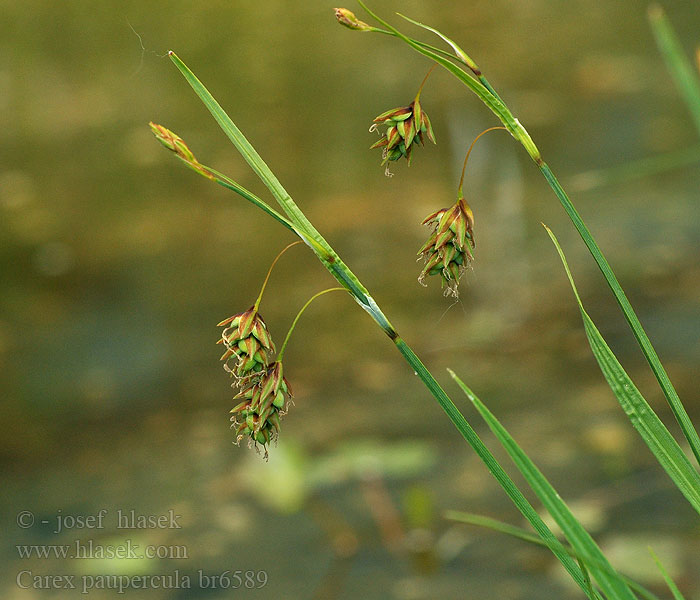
[{"x": 449, "y": 249}]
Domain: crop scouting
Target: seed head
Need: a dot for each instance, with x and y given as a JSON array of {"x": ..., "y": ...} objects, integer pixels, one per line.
[
  {"x": 404, "y": 126},
  {"x": 448, "y": 250}
]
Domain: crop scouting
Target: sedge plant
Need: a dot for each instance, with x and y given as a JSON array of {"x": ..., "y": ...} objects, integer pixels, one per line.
[{"x": 264, "y": 393}]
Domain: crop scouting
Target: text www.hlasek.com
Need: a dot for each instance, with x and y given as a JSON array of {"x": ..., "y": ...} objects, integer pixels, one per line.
[{"x": 89, "y": 550}]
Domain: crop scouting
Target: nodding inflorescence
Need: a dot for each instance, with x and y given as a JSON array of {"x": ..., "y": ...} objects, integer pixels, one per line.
[
  {"x": 449, "y": 249},
  {"x": 262, "y": 388},
  {"x": 264, "y": 396},
  {"x": 405, "y": 126},
  {"x": 247, "y": 341}
]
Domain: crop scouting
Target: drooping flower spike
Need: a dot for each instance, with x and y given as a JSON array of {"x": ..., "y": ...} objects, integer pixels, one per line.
[
  {"x": 264, "y": 400},
  {"x": 405, "y": 126},
  {"x": 246, "y": 337},
  {"x": 265, "y": 395},
  {"x": 449, "y": 249},
  {"x": 263, "y": 389},
  {"x": 247, "y": 340}
]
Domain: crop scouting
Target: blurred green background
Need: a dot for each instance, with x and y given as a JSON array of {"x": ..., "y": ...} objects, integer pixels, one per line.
[{"x": 117, "y": 262}]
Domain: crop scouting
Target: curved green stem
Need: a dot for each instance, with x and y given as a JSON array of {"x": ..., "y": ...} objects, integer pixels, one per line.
[
  {"x": 430, "y": 47},
  {"x": 301, "y": 312},
  {"x": 299, "y": 223}
]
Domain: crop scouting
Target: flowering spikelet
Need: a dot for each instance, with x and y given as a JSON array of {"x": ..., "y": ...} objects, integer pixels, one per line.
[
  {"x": 176, "y": 144},
  {"x": 348, "y": 19},
  {"x": 404, "y": 126},
  {"x": 246, "y": 338},
  {"x": 448, "y": 250},
  {"x": 264, "y": 398}
]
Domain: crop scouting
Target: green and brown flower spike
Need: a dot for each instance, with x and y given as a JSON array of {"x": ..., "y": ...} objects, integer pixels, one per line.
[
  {"x": 265, "y": 394},
  {"x": 264, "y": 400},
  {"x": 448, "y": 250},
  {"x": 404, "y": 126},
  {"x": 247, "y": 340},
  {"x": 246, "y": 337}
]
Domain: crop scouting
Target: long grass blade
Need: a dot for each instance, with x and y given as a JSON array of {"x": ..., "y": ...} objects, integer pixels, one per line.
[
  {"x": 643, "y": 418},
  {"x": 307, "y": 231},
  {"x": 440, "y": 51},
  {"x": 246, "y": 149},
  {"x": 610, "y": 581},
  {"x": 230, "y": 184},
  {"x": 643, "y": 340}
]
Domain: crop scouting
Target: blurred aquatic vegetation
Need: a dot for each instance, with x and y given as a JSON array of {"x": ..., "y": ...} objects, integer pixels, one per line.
[
  {"x": 293, "y": 476},
  {"x": 293, "y": 481}
]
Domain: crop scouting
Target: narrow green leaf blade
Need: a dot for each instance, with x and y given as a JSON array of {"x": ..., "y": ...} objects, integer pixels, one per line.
[
  {"x": 457, "y": 50},
  {"x": 667, "y": 578},
  {"x": 302, "y": 225},
  {"x": 609, "y": 580},
  {"x": 460, "y": 54},
  {"x": 680, "y": 67},
  {"x": 496, "y": 525},
  {"x": 247, "y": 151},
  {"x": 643, "y": 418},
  {"x": 636, "y": 169}
]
